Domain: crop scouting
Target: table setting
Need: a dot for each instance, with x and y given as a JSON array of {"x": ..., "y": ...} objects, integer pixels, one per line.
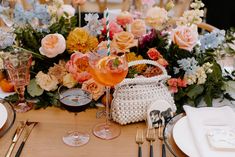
[{"x": 118, "y": 83}]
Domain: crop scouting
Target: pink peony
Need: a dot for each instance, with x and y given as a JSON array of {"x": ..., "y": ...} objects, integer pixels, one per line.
[
  {"x": 154, "y": 54},
  {"x": 185, "y": 37},
  {"x": 113, "y": 28},
  {"x": 78, "y": 66},
  {"x": 124, "y": 18}
]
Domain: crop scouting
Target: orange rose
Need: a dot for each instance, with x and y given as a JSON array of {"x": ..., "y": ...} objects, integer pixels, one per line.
[
  {"x": 94, "y": 88},
  {"x": 163, "y": 62},
  {"x": 138, "y": 28},
  {"x": 185, "y": 37},
  {"x": 123, "y": 41}
]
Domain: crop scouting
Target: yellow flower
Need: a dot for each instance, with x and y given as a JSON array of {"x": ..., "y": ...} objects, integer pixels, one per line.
[
  {"x": 80, "y": 40},
  {"x": 132, "y": 57}
]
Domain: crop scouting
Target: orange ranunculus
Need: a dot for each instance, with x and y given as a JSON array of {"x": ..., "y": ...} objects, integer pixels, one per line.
[
  {"x": 154, "y": 54},
  {"x": 123, "y": 41},
  {"x": 185, "y": 37},
  {"x": 78, "y": 66},
  {"x": 138, "y": 28}
]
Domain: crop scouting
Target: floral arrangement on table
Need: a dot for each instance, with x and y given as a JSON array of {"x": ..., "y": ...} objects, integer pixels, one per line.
[{"x": 60, "y": 49}]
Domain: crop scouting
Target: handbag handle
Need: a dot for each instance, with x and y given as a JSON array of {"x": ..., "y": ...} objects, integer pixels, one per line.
[{"x": 155, "y": 79}]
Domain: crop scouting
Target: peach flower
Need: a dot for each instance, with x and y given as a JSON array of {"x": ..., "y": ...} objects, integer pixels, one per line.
[
  {"x": 113, "y": 28},
  {"x": 46, "y": 82},
  {"x": 94, "y": 88},
  {"x": 124, "y": 18},
  {"x": 78, "y": 66},
  {"x": 69, "y": 81},
  {"x": 156, "y": 17},
  {"x": 52, "y": 45},
  {"x": 75, "y": 2},
  {"x": 138, "y": 28},
  {"x": 123, "y": 41},
  {"x": 185, "y": 37},
  {"x": 163, "y": 62},
  {"x": 154, "y": 54}
]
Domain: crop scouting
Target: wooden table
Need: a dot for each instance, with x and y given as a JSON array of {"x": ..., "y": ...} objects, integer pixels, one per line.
[{"x": 46, "y": 138}]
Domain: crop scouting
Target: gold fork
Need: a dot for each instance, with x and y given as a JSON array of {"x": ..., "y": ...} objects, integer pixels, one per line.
[
  {"x": 139, "y": 140},
  {"x": 151, "y": 138}
]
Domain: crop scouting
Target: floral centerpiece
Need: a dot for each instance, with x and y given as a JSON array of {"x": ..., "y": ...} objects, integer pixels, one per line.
[{"x": 60, "y": 49}]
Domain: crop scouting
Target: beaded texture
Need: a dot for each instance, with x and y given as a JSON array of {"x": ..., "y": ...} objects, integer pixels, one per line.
[{"x": 133, "y": 95}]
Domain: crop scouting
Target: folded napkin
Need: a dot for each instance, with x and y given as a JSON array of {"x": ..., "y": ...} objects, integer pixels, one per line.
[{"x": 201, "y": 120}]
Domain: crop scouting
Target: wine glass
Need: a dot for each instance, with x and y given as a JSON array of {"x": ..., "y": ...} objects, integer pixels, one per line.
[
  {"x": 74, "y": 100},
  {"x": 17, "y": 64},
  {"x": 108, "y": 71}
]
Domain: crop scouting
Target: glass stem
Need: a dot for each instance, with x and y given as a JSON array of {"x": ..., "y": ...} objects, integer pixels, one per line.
[
  {"x": 107, "y": 107},
  {"x": 20, "y": 90},
  {"x": 76, "y": 122}
]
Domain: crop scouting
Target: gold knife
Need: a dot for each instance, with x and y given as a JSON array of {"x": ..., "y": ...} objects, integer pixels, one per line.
[
  {"x": 15, "y": 137},
  {"x": 28, "y": 131}
]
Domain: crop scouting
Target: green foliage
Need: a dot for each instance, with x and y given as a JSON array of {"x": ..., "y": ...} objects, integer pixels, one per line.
[
  {"x": 64, "y": 26},
  {"x": 34, "y": 89}
]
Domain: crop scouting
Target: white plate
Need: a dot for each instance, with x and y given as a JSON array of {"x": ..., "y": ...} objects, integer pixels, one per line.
[
  {"x": 5, "y": 94},
  {"x": 183, "y": 138},
  {"x": 3, "y": 115}
]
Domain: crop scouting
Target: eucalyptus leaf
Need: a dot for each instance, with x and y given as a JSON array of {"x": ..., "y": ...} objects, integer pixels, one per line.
[
  {"x": 34, "y": 89},
  {"x": 195, "y": 91}
]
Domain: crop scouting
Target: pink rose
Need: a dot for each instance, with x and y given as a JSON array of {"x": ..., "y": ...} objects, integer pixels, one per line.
[
  {"x": 75, "y": 2},
  {"x": 173, "y": 89},
  {"x": 52, "y": 45},
  {"x": 154, "y": 54},
  {"x": 94, "y": 88},
  {"x": 172, "y": 82},
  {"x": 78, "y": 66},
  {"x": 162, "y": 62},
  {"x": 113, "y": 28},
  {"x": 138, "y": 28},
  {"x": 185, "y": 37},
  {"x": 124, "y": 18},
  {"x": 181, "y": 83}
]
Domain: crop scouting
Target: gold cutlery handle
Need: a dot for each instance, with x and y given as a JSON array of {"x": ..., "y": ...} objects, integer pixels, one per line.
[{"x": 9, "y": 151}]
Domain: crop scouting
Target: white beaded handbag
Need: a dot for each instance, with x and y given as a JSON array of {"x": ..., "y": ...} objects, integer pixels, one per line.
[{"x": 133, "y": 95}]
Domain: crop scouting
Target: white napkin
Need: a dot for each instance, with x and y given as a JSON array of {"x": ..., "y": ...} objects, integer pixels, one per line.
[{"x": 200, "y": 120}]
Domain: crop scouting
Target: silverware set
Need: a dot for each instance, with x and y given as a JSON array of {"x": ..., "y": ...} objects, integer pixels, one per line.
[
  {"x": 151, "y": 134},
  {"x": 21, "y": 127}
]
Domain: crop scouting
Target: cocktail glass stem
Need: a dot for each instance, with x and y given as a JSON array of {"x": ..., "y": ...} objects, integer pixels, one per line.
[{"x": 107, "y": 107}]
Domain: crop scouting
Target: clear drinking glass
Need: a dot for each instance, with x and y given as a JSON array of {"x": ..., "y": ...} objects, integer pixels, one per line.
[
  {"x": 75, "y": 100},
  {"x": 108, "y": 71},
  {"x": 17, "y": 64}
]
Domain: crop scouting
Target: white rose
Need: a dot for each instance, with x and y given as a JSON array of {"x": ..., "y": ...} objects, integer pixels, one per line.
[
  {"x": 52, "y": 45},
  {"x": 68, "y": 9},
  {"x": 46, "y": 82}
]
